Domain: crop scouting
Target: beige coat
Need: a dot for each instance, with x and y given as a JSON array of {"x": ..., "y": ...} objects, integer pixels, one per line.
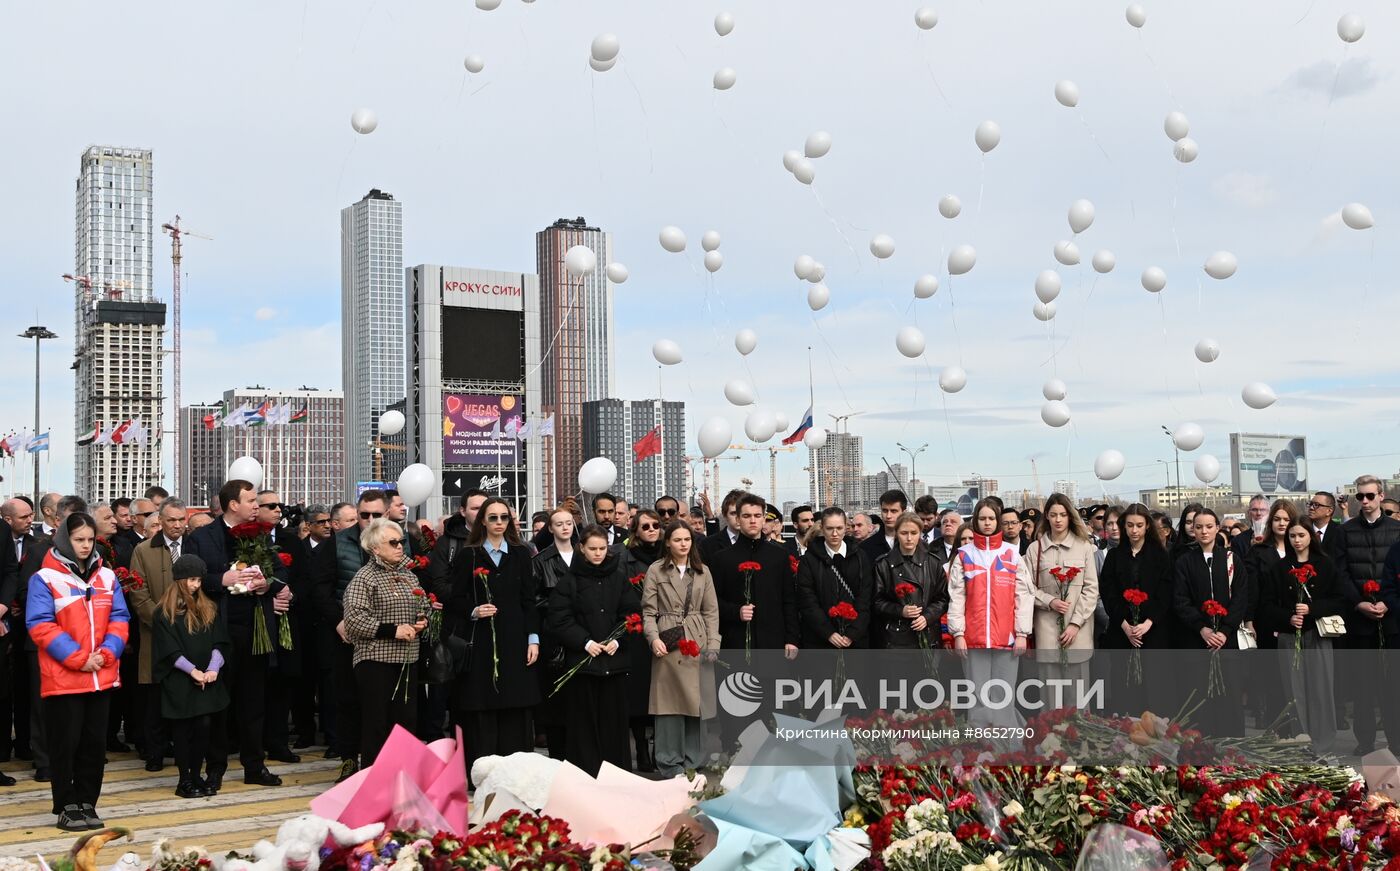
[
  {"x": 1083, "y": 595},
  {"x": 676, "y": 680},
  {"x": 151, "y": 560}
]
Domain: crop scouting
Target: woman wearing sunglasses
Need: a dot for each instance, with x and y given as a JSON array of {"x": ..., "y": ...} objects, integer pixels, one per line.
[
  {"x": 493, "y": 606},
  {"x": 383, "y": 621},
  {"x": 643, "y": 549}
]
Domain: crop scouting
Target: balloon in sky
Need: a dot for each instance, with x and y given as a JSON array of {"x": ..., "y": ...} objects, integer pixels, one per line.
[
  {"x": 1136, "y": 15},
  {"x": 1176, "y": 126},
  {"x": 926, "y": 18},
  {"x": 738, "y": 392},
  {"x": 1081, "y": 215},
  {"x": 1207, "y": 468},
  {"x": 1221, "y": 265},
  {"x": 1188, "y": 436},
  {"x": 415, "y": 484},
  {"x": 724, "y": 23},
  {"x": 1055, "y": 413},
  {"x": 1351, "y": 27},
  {"x": 804, "y": 171},
  {"x": 817, "y": 144},
  {"x": 1186, "y": 150},
  {"x": 909, "y": 341},
  {"x": 949, "y": 206},
  {"x": 818, "y": 272},
  {"x": 391, "y": 422},
  {"x": 961, "y": 259},
  {"x": 952, "y": 379},
  {"x": 1357, "y": 216},
  {"x": 1047, "y": 285},
  {"x": 713, "y": 260},
  {"x": 1043, "y": 311},
  {"x": 246, "y": 469},
  {"x": 1109, "y": 465},
  {"x": 745, "y": 341},
  {"x": 1067, "y": 93},
  {"x": 988, "y": 135},
  {"x": 666, "y": 352},
  {"x": 605, "y": 47},
  {"x": 597, "y": 475},
  {"x": 760, "y": 425},
  {"x": 925, "y": 286},
  {"x": 672, "y": 239},
  {"x": 1258, "y": 395},
  {"x": 790, "y": 158},
  {"x": 580, "y": 260},
  {"x": 364, "y": 121},
  {"x": 882, "y": 246},
  {"x": 1054, "y": 389},
  {"x": 818, "y": 295},
  {"x": 802, "y": 266},
  {"x": 710, "y": 240},
  {"x": 1067, "y": 252},
  {"x": 724, "y": 79},
  {"x": 474, "y": 63},
  {"x": 781, "y": 420},
  {"x": 1207, "y": 350},
  {"x": 1104, "y": 261},
  {"x": 714, "y": 437},
  {"x": 487, "y": 5},
  {"x": 1154, "y": 279},
  {"x": 601, "y": 66},
  {"x": 617, "y": 273},
  {"x": 815, "y": 438}
]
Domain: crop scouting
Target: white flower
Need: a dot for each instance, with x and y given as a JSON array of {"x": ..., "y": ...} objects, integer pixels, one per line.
[
  {"x": 1051, "y": 744},
  {"x": 1014, "y": 809},
  {"x": 407, "y": 861},
  {"x": 905, "y": 751}
]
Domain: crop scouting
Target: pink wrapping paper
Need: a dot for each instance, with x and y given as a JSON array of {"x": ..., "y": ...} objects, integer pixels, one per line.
[
  {"x": 438, "y": 769},
  {"x": 617, "y": 808}
]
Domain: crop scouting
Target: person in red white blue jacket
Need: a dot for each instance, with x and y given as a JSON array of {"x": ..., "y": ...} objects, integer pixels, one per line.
[{"x": 77, "y": 617}]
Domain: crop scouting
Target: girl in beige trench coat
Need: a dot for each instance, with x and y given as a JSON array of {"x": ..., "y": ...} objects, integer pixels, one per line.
[
  {"x": 678, "y": 591},
  {"x": 1063, "y": 547}
]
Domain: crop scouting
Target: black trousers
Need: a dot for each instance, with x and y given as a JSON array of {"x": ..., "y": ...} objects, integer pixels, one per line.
[
  {"x": 37, "y": 742},
  {"x": 191, "y": 736},
  {"x": 278, "y": 705},
  {"x": 128, "y": 708},
  {"x": 19, "y": 689},
  {"x": 157, "y": 730},
  {"x": 241, "y": 723},
  {"x": 1369, "y": 693},
  {"x": 347, "y": 701},
  {"x": 390, "y": 698},
  {"x": 598, "y": 731},
  {"x": 76, "y": 727},
  {"x": 497, "y": 732}
]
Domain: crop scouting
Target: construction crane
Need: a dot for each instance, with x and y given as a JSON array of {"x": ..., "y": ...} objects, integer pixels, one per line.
[
  {"x": 1035, "y": 478},
  {"x": 772, "y": 464},
  {"x": 176, "y": 234},
  {"x": 716, "y": 471},
  {"x": 841, "y": 418}
]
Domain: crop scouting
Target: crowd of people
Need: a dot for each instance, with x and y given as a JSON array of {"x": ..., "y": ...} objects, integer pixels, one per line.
[{"x": 258, "y": 629}]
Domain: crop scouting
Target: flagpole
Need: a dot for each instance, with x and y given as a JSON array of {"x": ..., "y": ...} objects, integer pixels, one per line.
[
  {"x": 812, "y": 454},
  {"x": 659, "y": 479}
]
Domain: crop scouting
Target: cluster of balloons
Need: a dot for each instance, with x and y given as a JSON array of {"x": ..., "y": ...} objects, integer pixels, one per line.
[
  {"x": 1177, "y": 126},
  {"x": 809, "y": 270},
  {"x": 710, "y": 242},
  {"x": 602, "y": 54},
  {"x": 799, "y": 163}
]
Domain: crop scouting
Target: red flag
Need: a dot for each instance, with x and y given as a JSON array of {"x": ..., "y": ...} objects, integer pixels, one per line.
[
  {"x": 648, "y": 445},
  {"x": 208, "y": 421},
  {"x": 120, "y": 432}
]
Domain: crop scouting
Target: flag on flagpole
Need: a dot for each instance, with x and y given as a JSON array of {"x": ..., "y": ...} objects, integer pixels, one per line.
[
  {"x": 119, "y": 434},
  {"x": 546, "y": 427},
  {"x": 39, "y": 443},
  {"x": 511, "y": 427},
  {"x": 90, "y": 436},
  {"x": 301, "y": 416},
  {"x": 523, "y": 432},
  {"x": 259, "y": 416},
  {"x": 136, "y": 434},
  {"x": 802, "y": 428},
  {"x": 648, "y": 445},
  {"x": 5, "y": 447},
  {"x": 104, "y": 436},
  {"x": 496, "y": 429},
  {"x": 19, "y": 443}
]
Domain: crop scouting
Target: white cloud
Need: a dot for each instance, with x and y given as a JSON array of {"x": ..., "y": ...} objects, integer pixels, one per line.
[
  {"x": 265, "y": 313},
  {"x": 1247, "y": 189}
]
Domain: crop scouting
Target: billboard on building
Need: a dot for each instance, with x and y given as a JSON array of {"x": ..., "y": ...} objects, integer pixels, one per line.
[
  {"x": 1268, "y": 464},
  {"x": 507, "y": 483},
  {"x": 478, "y": 429}
]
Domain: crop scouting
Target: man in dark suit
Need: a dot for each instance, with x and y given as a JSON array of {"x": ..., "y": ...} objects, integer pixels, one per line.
[
  {"x": 893, "y": 503},
  {"x": 604, "y": 514},
  {"x": 728, "y": 533},
  {"x": 18, "y": 516},
  {"x": 242, "y": 597},
  {"x": 284, "y": 666},
  {"x": 803, "y": 519}
]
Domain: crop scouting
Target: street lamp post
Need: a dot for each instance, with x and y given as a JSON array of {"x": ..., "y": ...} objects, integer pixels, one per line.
[
  {"x": 38, "y": 334},
  {"x": 913, "y": 457},
  {"x": 1176, "y": 451}
]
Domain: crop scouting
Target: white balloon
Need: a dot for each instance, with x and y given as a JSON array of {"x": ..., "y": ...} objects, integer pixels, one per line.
[
  {"x": 1188, "y": 436},
  {"x": 760, "y": 425},
  {"x": 909, "y": 341},
  {"x": 416, "y": 483},
  {"x": 1136, "y": 15},
  {"x": 1054, "y": 389},
  {"x": 1043, "y": 311},
  {"x": 710, "y": 240},
  {"x": 666, "y": 352},
  {"x": 246, "y": 469},
  {"x": 804, "y": 171},
  {"x": 580, "y": 260},
  {"x": 1351, "y": 27},
  {"x": 988, "y": 135},
  {"x": 597, "y": 475},
  {"x": 1207, "y": 468},
  {"x": 1067, "y": 252},
  {"x": 487, "y": 5},
  {"x": 745, "y": 341},
  {"x": 364, "y": 121},
  {"x": 617, "y": 273},
  {"x": 713, "y": 260},
  {"x": 391, "y": 422},
  {"x": 714, "y": 437},
  {"x": 1047, "y": 285},
  {"x": 961, "y": 259},
  {"x": 474, "y": 63},
  {"x": 672, "y": 239},
  {"x": 605, "y": 47},
  {"x": 802, "y": 266},
  {"x": 817, "y": 144},
  {"x": 781, "y": 420},
  {"x": 1109, "y": 465},
  {"x": 1067, "y": 93},
  {"x": 952, "y": 379},
  {"x": 1186, "y": 150},
  {"x": 1221, "y": 265},
  {"x": 1055, "y": 413},
  {"x": 1154, "y": 279},
  {"x": 1176, "y": 126},
  {"x": 881, "y": 246},
  {"x": 724, "y": 79},
  {"x": 1081, "y": 215},
  {"x": 815, "y": 438},
  {"x": 818, "y": 272},
  {"x": 949, "y": 206},
  {"x": 790, "y": 158},
  {"x": 1207, "y": 350},
  {"x": 601, "y": 66},
  {"x": 926, "y": 18},
  {"x": 1104, "y": 261},
  {"x": 925, "y": 286},
  {"x": 724, "y": 23},
  {"x": 1257, "y": 394},
  {"x": 818, "y": 295},
  {"x": 1357, "y": 217},
  {"x": 738, "y": 392}
]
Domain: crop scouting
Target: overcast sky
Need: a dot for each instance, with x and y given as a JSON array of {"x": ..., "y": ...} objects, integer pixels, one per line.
[{"x": 247, "y": 107}]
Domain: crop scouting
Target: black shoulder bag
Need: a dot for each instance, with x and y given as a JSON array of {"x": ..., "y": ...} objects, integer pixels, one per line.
[{"x": 672, "y": 637}]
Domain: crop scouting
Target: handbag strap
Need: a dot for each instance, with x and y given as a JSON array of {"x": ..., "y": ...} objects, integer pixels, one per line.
[{"x": 689, "y": 588}]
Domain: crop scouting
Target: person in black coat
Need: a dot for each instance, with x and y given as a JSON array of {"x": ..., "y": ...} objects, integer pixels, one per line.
[
  {"x": 893, "y": 503},
  {"x": 897, "y": 620},
  {"x": 1138, "y": 562},
  {"x": 242, "y": 597},
  {"x": 727, "y": 535},
  {"x": 1261, "y": 560},
  {"x": 830, "y": 573},
  {"x": 644, "y": 548},
  {"x": 764, "y": 618},
  {"x": 1203, "y": 575},
  {"x": 553, "y": 563},
  {"x": 493, "y": 606},
  {"x": 585, "y": 609}
]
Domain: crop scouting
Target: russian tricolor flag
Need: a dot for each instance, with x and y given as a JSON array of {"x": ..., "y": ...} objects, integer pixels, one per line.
[{"x": 802, "y": 428}]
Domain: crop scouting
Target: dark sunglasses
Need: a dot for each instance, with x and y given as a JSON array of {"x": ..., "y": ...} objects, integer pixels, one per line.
[
  {"x": 1313, "y": 506},
  {"x": 275, "y": 506},
  {"x": 394, "y": 542},
  {"x": 647, "y": 527},
  {"x": 667, "y": 512},
  {"x": 1388, "y": 512},
  {"x": 318, "y": 522},
  {"x": 370, "y": 515},
  {"x": 1367, "y": 497},
  {"x": 497, "y": 518},
  {"x": 145, "y": 514}
]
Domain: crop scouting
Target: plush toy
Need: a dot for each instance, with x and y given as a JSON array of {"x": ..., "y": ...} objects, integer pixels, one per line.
[
  {"x": 129, "y": 862},
  {"x": 299, "y": 842}
]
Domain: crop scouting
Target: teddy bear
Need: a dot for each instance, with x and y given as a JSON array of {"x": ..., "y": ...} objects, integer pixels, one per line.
[{"x": 299, "y": 842}]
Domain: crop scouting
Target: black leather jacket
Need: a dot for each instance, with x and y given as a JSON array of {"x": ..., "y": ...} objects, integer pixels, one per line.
[{"x": 924, "y": 571}]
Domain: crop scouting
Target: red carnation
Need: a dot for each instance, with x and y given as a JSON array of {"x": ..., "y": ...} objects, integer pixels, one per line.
[
  {"x": 1212, "y": 608},
  {"x": 688, "y": 647},
  {"x": 633, "y": 623},
  {"x": 905, "y": 590},
  {"x": 418, "y": 592},
  {"x": 792, "y": 563},
  {"x": 1371, "y": 588},
  {"x": 433, "y": 600},
  {"x": 284, "y": 558},
  {"x": 1134, "y": 596},
  {"x": 418, "y": 562},
  {"x": 842, "y": 611},
  {"x": 482, "y": 574},
  {"x": 636, "y": 580},
  {"x": 750, "y": 566}
]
